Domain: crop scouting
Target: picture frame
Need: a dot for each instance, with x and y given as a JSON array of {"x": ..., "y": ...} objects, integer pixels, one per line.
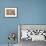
[
  {"x": 36, "y": 32},
  {"x": 10, "y": 12}
]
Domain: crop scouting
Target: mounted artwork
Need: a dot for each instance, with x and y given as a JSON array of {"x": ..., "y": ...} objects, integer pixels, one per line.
[
  {"x": 10, "y": 12},
  {"x": 32, "y": 32}
]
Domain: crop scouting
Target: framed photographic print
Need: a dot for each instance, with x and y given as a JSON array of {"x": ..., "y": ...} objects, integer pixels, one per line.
[
  {"x": 32, "y": 32},
  {"x": 10, "y": 12}
]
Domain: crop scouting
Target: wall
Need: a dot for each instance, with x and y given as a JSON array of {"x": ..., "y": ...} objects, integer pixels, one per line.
[{"x": 29, "y": 12}]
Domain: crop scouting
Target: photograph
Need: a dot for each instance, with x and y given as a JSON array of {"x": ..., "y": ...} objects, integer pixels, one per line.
[
  {"x": 10, "y": 12},
  {"x": 30, "y": 33}
]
